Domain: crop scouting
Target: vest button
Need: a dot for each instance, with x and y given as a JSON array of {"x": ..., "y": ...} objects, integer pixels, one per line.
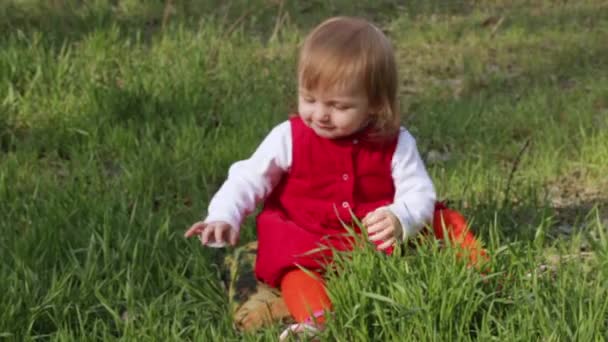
[
  {"x": 345, "y": 176},
  {"x": 345, "y": 204}
]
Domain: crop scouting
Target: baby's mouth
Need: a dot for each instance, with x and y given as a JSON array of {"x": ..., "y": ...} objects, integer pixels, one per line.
[{"x": 325, "y": 127}]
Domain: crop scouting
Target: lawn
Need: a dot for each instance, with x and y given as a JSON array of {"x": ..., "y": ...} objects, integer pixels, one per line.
[{"x": 120, "y": 118}]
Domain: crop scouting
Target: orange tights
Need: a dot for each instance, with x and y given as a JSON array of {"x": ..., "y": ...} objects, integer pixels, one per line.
[
  {"x": 305, "y": 295},
  {"x": 304, "y": 292}
]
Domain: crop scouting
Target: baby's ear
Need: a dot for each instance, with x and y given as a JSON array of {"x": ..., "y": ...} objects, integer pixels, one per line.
[
  {"x": 375, "y": 113},
  {"x": 372, "y": 117}
]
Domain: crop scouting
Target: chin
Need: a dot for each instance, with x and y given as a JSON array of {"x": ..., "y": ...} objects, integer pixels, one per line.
[{"x": 332, "y": 134}]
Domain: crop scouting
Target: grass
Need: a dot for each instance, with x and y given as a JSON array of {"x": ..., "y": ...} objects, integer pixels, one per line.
[{"x": 118, "y": 122}]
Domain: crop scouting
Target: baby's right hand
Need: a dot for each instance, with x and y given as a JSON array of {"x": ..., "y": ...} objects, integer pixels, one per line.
[{"x": 214, "y": 234}]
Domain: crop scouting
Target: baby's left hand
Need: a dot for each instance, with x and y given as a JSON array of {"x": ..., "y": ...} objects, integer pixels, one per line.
[{"x": 383, "y": 225}]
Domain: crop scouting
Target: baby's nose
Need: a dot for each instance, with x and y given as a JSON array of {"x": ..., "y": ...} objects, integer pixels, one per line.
[{"x": 322, "y": 114}]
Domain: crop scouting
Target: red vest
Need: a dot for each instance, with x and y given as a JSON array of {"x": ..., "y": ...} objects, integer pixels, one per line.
[{"x": 328, "y": 179}]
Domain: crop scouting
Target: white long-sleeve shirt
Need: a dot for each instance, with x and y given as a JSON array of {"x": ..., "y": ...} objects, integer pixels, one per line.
[{"x": 252, "y": 180}]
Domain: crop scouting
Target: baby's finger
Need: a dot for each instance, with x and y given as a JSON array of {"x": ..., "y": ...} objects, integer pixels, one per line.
[
  {"x": 377, "y": 227},
  {"x": 219, "y": 234},
  {"x": 386, "y": 244},
  {"x": 233, "y": 237},
  {"x": 381, "y": 235},
  {"x": 366, "y": 219},
  {"x": 371, "y": 230},
  {"x": 196, "y": 229},
  {"x": 206, "y": 234},
  {"x": 372, "y": 218}
]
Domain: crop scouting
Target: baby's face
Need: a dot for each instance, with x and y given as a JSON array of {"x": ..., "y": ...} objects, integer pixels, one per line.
[{"x": 334, "y": 113}]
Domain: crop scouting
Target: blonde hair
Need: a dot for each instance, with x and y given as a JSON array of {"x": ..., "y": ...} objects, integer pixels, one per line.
[{"x": 343, "y": 51}]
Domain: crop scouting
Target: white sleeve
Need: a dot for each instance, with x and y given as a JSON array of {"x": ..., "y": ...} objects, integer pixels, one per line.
[
  {"x": 415, "y": 196},
  {"x": 250, "y": 181}
]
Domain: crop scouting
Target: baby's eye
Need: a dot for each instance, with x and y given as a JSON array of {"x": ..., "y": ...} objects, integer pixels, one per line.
[{"x": 341, "y": 106}]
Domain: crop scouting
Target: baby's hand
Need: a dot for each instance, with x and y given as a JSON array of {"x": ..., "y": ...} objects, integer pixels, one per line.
[
  {"x": 383, "y": 225},
  {"x": 214, "y": 234}
]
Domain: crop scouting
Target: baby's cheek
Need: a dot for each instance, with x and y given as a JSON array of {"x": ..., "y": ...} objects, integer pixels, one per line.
[{"x": 304, "y": 113}]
